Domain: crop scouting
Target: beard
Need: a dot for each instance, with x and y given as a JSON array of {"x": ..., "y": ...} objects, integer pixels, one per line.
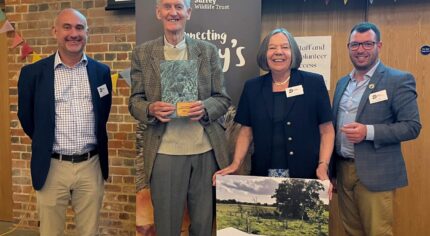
[{"x": 364, "y": 66}]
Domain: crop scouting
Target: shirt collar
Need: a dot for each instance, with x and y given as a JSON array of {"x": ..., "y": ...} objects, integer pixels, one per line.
[
  {"x": 180, "y": 45},
  {"x": 57, "y": 61},
  {"x": 368, "y": 74}
]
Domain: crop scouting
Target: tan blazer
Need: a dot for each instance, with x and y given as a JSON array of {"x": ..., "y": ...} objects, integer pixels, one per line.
[{"x": 146, "y": 88}]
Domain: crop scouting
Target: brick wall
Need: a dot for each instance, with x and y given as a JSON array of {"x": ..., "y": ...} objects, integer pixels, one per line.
[{"x": 112, "y": 36}]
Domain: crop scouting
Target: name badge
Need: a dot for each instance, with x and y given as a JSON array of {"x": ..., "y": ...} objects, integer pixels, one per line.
[
  {"x": 103, "y": 90},
  {"x": 294, "y": 91},
  {"x": 378, "y": 96}
]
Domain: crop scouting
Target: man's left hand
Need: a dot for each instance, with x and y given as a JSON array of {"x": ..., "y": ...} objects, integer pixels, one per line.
[{"x": 197, "y": 110}]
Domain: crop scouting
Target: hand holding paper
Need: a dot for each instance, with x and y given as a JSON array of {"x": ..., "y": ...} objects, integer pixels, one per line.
[
  {"x": 161, "y": 110},
  {"x": 196, "y": 111}
]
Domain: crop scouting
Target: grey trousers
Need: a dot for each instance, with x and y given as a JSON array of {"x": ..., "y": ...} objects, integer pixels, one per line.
[{"x": 180, "y": 180}]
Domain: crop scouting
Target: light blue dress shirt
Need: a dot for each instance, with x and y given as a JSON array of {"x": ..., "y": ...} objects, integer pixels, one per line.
[{"x": 347, "y": 112}]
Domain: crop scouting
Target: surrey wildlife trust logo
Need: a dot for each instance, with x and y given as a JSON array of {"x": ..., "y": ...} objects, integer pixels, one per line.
[{"x": 210, "y": 5}]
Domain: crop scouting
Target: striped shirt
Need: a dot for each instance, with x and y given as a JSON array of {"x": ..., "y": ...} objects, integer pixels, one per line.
[{"x": 74, "y": 112}]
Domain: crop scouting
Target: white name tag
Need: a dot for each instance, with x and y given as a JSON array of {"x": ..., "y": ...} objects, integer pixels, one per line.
[
  {"x": 103, "y": 90},
  {"x": 378, "y": 96},
  {"x": 294, "y": 91}
]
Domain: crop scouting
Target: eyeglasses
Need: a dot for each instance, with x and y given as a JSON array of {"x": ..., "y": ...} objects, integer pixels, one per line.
[{"x": 366, "y": 45}]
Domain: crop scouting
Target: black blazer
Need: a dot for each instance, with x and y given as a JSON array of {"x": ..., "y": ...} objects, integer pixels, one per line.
[
  {"x": 304, "y": 115},
  {"x": 36, "y": 112}
]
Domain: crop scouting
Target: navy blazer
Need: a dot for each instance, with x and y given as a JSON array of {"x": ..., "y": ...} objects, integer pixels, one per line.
[
  {"x": 36, "y": 112},
  {"x": 304, "y": 115},
  {"x": 379, "y": 163}
]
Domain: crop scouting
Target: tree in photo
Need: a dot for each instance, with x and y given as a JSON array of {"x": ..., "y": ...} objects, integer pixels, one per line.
[{"x": 295, "y": 198}]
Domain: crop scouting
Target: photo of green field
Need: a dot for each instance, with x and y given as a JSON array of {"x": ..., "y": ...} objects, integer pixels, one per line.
[{"x": 249, "y": 205}]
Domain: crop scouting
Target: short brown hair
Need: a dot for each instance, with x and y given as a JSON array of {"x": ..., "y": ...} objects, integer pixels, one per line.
[{"x": 296, "y": 56}]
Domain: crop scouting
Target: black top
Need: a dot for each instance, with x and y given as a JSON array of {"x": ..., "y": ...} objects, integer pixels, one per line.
[{"x": 279, "y": 157}]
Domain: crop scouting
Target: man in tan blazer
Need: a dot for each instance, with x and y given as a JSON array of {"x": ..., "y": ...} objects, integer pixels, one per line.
[{"x": 180, "y": 155}]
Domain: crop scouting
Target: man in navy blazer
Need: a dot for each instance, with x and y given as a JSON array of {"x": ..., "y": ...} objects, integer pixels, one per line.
[
  {"x": 64, "y": 103},
  {"x": 375, "y": 109}
]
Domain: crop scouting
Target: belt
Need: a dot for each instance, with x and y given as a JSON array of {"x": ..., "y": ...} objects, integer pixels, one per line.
[
  {"x": 74, "y": 158},
  {"x": 347, "y": 159}
]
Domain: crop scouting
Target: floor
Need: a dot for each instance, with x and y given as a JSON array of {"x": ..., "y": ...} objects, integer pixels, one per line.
[{"x": 6, "y": 227}]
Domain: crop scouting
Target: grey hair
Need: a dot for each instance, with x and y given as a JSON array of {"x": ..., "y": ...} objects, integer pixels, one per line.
[
  {"x": 187, "y": 3},
  {"x": 296, "y": 55}
]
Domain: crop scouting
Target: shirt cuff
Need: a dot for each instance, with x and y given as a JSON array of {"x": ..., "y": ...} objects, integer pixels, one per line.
[{"x": 370, "y": 132}]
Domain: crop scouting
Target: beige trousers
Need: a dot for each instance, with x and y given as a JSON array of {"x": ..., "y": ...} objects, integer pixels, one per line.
[
  {"x": 363, "y": 212},
  {"x": 83, "y": 184}
]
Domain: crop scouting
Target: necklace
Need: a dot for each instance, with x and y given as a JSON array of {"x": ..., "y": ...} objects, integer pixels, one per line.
[{"x": 281, "y": 83}]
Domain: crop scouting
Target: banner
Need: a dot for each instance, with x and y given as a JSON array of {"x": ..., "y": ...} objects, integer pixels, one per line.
[
  {"x": 316, "y": 55},
  {"x": 234, "y": 26}
]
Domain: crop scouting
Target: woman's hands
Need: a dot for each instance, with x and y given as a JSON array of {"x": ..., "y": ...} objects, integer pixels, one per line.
[
  {"x": 322, "y": 170},
  {"x": 232, "y": 168}
]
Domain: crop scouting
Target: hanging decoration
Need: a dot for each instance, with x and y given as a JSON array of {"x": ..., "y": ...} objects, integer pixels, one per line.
[
  {"x": 2, "y": 16},
  {"x": 125, "y": 74},
  {"x": 371, "y": 1},
  {"x": 345, "y": 2},
  {"x": 114, "y": 79},
  {"x": 17, "y": 40},
  {"x": 36, "y": 57},
  {"x": 25, "y": 50},
  {"x": 6, "y": 27}
]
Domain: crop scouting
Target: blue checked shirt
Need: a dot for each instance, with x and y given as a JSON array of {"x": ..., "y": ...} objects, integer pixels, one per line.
[{"x": 74, "y": 113}]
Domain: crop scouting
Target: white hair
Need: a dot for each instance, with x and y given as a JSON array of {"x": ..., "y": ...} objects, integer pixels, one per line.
[{"x": 186, "y": 2}]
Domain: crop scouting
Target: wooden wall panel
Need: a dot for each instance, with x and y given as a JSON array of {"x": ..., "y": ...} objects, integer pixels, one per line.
[
  {"x": 5, "y": 155},
  {"x": 405, "y": 28},
  {"x": 314, "y": 18}
]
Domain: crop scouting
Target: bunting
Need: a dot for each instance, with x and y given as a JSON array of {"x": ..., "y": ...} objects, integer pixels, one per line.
[
  {"x": 114, "y": 79},
  {"x": 6, "y": 27},
  {"x": 125, "y": 74},
  {"x": 345, "y": 1},
  {"x": 25, "y": 50},
  {"x": 17, "y": 40},
  {"x": 36, "y": 57},
  {"x": 2, "y": 16}
]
